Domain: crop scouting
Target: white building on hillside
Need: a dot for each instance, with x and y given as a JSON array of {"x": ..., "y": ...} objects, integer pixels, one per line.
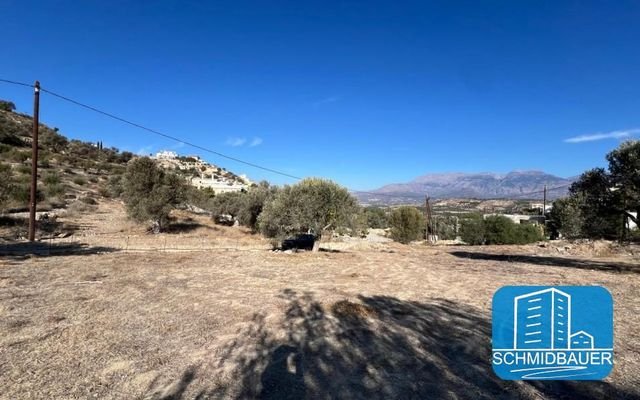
[
  {"x": 166, "y": 155},
  {"x": 218, "y": 186},
  {"x": 521, "y": 218}
]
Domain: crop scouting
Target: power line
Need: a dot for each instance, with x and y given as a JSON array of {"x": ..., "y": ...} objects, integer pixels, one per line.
[
  {"x": 154, "y": 131},
  {"x": 94, "y": 109},
  {"x": 176, "y": 139},
  {"x": 167, "y": 136},
  {"x": 187, "y": 143},
  {"x": 16, "y": 83}
]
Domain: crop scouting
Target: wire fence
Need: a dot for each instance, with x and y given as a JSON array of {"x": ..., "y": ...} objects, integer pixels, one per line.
[{"x": 126, "y": 244}]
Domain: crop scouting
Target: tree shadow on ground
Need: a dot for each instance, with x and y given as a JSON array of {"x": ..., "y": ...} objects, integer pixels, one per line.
[
  {"x": 176, "y": 389},
  {"x": 376, "y": 348},
  {"x": 22, "y": 250},
  {"x": 45, "y": 227},
  {"x": 552, "y": 261},
  {"x": 186, "y": 226}
]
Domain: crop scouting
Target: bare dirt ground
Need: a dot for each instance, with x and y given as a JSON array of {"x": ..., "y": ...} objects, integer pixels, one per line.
[{"x": 210, "y": 312}]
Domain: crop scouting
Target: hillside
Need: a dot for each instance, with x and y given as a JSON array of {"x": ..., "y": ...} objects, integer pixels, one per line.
[
  {"x": 67, "y": 169},
  {"x": 513, "y": 185},
  {"x": 73, "y": 175}
]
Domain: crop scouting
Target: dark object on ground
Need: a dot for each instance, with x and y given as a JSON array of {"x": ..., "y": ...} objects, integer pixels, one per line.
[{"x": 303, "y": 241}]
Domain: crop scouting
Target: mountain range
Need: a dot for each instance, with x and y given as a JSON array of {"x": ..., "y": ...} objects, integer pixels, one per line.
[{"x": 484, "y": 185}]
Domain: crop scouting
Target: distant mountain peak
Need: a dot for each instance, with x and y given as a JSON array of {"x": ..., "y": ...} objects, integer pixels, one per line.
[{"x": 517, "y": 184}]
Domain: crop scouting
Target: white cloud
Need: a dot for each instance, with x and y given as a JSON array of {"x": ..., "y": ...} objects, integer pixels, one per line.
[
  {"x": 236, "y": 141},
  {"x": 602, "y": 136},
  {"x": 326, "y": 100},
  {"x": 240, "y": 141}
]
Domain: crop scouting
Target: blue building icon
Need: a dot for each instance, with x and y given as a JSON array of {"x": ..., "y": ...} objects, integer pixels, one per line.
[{"x": 542, "y": 320}]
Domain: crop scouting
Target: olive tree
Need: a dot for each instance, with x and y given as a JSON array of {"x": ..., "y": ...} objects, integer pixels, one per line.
[
  {"x": 624, "y": 172},
  {"x": 226, "y": 204},
  {"x": 472, "y": 229},
  {"x": 313, "y": 205},
  {"x": 407, "y": 224},
  {"x": 565, "y": 217},
  {"x": 376, "y": 218},
  {"x": 253, "y": 203},
  {"x": 7, "y": 106},
  {"x": 150, "y": 193}
]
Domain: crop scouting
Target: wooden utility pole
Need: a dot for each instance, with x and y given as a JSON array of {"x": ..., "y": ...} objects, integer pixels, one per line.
[
  {"x": 544, "y": 201},
  {"x": 426, "y": 217},
  {"x": 430, "y": 234},
  {"x": 34, "y": 163}
]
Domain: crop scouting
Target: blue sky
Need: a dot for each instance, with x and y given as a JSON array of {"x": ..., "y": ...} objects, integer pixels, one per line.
[{"x": 365, "y": 93}]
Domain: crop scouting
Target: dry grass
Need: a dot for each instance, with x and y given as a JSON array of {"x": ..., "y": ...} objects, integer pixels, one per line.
[{"x": 379, "y": 321}]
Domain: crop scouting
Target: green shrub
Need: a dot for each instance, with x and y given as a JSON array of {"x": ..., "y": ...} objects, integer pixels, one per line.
[
  {"x": 472, "y": 230},
  {"x": 55, "y": 190},
  {"x": 115, "y": 186},
  {"x": 78, "y": 180},
  {"x": 497, "y": 229},
  {"x": 22, "y": 178},
  {"x": 18, "y": 156},
  {"x": 125, "y": 157},
  {"x": 53, "y": 141},
  {"x": 51, "y": 178},
  {"x": 376, "y": 218},
  {"x": 407, "y": 224},
  {"x": 10, "y": 139},
  {"x": 21, "y": 193},
  {"x": 527, "y": 233},
  {"x": 6, "y": 183}
]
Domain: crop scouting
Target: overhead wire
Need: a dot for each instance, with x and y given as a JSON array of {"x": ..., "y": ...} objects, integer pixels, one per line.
[{"x": 219, "y": 154}]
